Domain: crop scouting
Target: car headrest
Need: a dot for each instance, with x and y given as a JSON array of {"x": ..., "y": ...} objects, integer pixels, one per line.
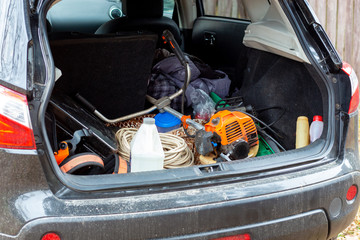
[{"x": 144, "y": 8}]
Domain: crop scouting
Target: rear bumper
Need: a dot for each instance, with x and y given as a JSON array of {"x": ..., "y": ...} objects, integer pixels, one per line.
[
  {"x": 307, "y": 212},
  {"x": 309, "y": 225}
]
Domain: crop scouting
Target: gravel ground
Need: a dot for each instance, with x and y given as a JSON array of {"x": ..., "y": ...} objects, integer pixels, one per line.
[{"x": 352, "y": 232}]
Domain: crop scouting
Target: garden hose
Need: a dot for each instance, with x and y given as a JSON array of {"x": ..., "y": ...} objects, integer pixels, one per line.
[{"x": 177, "y": 153}]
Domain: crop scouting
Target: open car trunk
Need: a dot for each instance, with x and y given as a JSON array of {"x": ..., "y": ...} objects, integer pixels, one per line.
[
  {"x": 112, "y": 74},
  {"x": 278, "y": 89}
]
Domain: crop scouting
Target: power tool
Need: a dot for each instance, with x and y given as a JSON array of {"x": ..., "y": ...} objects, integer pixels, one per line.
[{"x": 235, "y": 132}]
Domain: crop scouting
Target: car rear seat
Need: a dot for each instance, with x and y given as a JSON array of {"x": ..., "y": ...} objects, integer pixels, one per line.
[
  {"x": 142, "y": 15},
  {"x": 110, "y": 71}
]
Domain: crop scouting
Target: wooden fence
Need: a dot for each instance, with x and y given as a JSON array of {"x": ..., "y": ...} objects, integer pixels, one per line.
[
  {"x": 225, "y": 8},
  {"x": 340, "y": 18}
]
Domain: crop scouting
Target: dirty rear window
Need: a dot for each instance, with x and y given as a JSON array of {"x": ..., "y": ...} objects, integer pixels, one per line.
[{"x": 13, "y": 43}]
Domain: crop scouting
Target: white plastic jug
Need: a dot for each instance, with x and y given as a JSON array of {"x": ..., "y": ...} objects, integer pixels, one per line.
[{"x": 146, "y": 152}]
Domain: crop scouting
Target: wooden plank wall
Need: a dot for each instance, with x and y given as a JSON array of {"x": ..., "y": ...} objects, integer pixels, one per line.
[
  {"x": 225, "y": 8},
  {"x": 341, "y": 19}
]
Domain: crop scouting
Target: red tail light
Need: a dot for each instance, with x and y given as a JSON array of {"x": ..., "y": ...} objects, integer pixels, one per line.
[
  {"x": 354, "y": 102},
  {"x": 51, "y": 236},
  {"x": 351, "y": 193},
  {"x": 245, "y": 236},
  {"x": 15, "y": 126}
]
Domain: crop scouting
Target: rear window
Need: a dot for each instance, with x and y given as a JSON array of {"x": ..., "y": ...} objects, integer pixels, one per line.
[
  {"x": 225, "y": 8},
  {"x": 88, "y": 15},
  {"x": 169, "y": 8},
  {"x": 14, "y": 44}
]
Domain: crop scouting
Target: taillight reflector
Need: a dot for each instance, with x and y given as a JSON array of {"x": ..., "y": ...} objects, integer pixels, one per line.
[
  {"x": 351, "y": 193},
  {"x": 354, "y": 101},
  {"x": 51, "y": 236},
  {"x": 15, "y": 126},
  {"x": 245, "y": 236}
]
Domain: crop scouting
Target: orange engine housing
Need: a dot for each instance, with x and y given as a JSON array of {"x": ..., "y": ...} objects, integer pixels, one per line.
[{"x": 232, "y": 126}]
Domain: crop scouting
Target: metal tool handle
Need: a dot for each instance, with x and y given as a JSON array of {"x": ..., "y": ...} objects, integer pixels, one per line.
[
  {"x": 92, "y": 109},
  {"x": 167, "y": 36},
  {"x": 175, "y": 113}
]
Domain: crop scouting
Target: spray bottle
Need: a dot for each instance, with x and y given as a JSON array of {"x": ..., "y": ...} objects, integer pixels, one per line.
[{"x": 316, "y": 128}]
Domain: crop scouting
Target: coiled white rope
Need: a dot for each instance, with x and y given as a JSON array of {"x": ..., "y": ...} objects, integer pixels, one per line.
[{"x": 177, "y": 153}]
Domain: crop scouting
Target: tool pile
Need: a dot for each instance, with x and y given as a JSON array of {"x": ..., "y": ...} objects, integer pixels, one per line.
[{"x": 223, "y": 130}]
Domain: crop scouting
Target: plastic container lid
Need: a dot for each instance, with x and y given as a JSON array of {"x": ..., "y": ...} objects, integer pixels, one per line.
[
  {"x": 149, "y": 121},
  {"x": 166, "y": 120},
  {"x": 317, "y": 118}
]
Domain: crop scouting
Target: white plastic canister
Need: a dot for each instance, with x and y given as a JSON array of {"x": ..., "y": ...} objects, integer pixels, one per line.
[
  {"x": 146, "y": 152},
  {"x": 316, "y": 128}
]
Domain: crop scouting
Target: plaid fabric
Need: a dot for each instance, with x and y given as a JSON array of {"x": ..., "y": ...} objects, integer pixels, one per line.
[
  {"x": 160, "y": 86},
  {"x": 168, "y": 77}
]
